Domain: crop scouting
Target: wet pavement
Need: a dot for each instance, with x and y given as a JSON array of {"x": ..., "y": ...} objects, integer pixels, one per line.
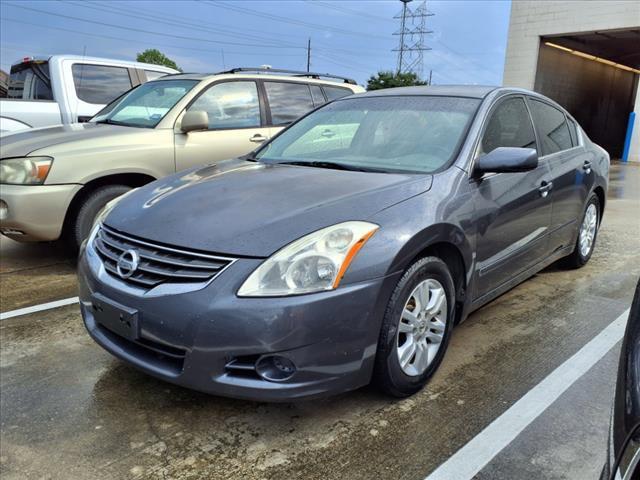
[{"x": 70, "y": 410}]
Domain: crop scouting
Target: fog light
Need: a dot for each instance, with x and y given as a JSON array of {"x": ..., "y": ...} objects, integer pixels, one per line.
[
  {"x": 275, "y": 368},
  {"x": 4, "y": 210}
]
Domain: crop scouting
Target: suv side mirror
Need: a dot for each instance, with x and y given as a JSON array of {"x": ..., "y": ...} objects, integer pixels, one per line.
[
  {"x": 507, "y": 159},
  {"x": 194, "y": 120}
]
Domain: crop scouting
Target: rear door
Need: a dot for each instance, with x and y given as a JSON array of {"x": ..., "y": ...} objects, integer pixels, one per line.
[
  {"x": 513, "y": 210},
  {"x": 286, "y": 102},
  {"x": 236, "y": 124},
  {"x": 570, "y": 165}
]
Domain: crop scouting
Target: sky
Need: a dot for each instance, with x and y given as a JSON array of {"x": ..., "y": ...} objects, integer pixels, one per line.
[{"x": 353, "y": 38}]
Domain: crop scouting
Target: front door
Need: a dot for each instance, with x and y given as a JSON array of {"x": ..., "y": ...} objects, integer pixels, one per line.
[
  {"x": 513, "y": 210},
  {"x": 571, "y": 173},
  {"x": 236, "y": 125}
]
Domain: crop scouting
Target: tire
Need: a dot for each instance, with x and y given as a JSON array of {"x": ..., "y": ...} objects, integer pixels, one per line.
[
  {"x": 81, "y": 225},
  {"x": 579, "y": 257},
  {"x": 389, "y": 374}
]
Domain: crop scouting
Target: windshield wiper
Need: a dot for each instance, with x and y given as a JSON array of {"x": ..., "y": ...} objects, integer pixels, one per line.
[
  {"x": 333, "y": 165},
  {"x": 108, "y": 121}
]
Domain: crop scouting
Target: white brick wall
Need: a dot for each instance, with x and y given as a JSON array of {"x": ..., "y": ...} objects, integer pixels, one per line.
[{"x": 532, "y": 19}]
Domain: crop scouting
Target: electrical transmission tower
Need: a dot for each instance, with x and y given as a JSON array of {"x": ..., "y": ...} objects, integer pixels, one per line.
[{"x": 413, "y": 28}]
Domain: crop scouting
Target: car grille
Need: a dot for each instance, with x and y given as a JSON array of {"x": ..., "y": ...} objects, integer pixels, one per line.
[{"x": 158, "y": 264}]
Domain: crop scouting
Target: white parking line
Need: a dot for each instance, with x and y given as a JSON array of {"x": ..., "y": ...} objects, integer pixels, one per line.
[
  {"x": 38, "y": 308},
  {"x": 473, "y": 457}
]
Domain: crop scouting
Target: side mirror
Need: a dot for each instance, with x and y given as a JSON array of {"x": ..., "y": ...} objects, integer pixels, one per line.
[
  {"x": 507, "y": 159},
  {"x": 194, "y": 120}
]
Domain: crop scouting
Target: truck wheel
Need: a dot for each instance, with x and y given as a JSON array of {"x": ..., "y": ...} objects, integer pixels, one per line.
[{"x": 91, "y": 206}]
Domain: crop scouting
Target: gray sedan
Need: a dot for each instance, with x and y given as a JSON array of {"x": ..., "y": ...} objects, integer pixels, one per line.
[{"x": 344, "y": 250}]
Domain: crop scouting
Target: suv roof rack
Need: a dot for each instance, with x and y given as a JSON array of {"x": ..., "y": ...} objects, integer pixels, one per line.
[{"x": 296, "y": 73}]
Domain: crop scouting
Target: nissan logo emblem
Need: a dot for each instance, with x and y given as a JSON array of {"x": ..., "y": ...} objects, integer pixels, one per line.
[{"x": 128, "y": 263}]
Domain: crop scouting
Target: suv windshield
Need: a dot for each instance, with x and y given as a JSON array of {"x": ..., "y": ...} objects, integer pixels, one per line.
[
  {"x": 146, "y": 105},
  {"x": 419, "y": 134},
  {"x": 30, "y": 81}
]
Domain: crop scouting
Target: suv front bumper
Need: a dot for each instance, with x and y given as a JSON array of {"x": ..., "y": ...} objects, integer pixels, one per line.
[{"x": 33, "y": 213}]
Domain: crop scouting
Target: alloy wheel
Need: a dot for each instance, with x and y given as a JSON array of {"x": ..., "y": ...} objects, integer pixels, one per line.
[
  {"x": 588, "y": 230},
  {"x": 422, "y": 326}
]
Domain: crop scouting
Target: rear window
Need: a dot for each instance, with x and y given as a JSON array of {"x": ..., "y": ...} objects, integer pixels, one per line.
[
  {"x": 552, "y": 126},
  {"x": 288, "y": 101},
  {"x": 336, "y": 92},
  {"x": 99, "y": 84},
  {"x": 30, "y": 81}
]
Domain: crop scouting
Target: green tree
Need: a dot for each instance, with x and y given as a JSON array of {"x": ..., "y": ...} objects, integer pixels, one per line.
[
  {"x": 390, "y": 79},
  {"x": 151, "y": 55}
]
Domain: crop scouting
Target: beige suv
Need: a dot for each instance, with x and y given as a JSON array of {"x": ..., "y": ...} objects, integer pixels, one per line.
[{"x": 55, "y": 180}]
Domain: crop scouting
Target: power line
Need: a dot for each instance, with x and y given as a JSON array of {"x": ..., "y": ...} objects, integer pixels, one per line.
[
  {"x": 291, "y": 21},
  {"x": 150, "y": 32},
  {"x": 130, "y": 40},
  {"x": 347, "y": 10},
  {"x": 175, "y": 21}
]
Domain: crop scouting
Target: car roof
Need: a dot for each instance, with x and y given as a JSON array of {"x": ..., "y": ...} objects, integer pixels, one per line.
[
  {"x": 83, "y": 58},
  {"x": 470, "y": 91}
]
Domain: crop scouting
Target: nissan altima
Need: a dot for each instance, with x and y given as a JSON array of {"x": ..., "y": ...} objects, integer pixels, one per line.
[{"x": 344, "y": 250}]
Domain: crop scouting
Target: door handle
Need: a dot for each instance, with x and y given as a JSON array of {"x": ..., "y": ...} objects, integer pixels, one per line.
[
  {"x": 587, "y": 167},
  {"x": 545, "y": 188},
  {"x": 258, "y": 138}
]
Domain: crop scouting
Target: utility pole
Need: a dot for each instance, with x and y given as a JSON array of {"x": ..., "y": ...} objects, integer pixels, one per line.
[
  {"x": 309, "y": 55},
  {"x": 413, "y": 28}
]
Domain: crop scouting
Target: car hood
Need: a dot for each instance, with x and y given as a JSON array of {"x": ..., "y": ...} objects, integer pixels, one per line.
[
  {"x": 54, "y": 139},
  {"x": 253, "y": 209}
]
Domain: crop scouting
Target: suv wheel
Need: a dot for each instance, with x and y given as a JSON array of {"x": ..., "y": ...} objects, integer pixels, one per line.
[
  {"x": 91, "y": 206},
  {"x": 416, "y": 328}
]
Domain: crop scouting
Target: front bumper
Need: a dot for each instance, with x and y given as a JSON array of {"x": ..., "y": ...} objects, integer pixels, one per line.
[
  {"x": 35, "y": 212},
  {"x": 331, "y": 337}
]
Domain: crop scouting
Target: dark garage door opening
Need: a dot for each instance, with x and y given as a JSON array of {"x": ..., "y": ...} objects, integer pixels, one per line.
[{"x": 599, "y": 95}]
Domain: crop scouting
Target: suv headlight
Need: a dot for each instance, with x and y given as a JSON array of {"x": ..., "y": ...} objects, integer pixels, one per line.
[
  {"x": 25, "y": 171},
  {"x": 313, "y": 263}
]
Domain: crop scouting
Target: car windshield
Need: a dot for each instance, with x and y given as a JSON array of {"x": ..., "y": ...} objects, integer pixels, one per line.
[
  {"x": 145, "y": 105},
  {"x": 419, "y": 134}
]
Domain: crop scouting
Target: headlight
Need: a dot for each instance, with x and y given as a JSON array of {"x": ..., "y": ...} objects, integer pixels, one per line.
[
  {"x": 313, "y": 263},
  {"x": 25, "y": 171}
]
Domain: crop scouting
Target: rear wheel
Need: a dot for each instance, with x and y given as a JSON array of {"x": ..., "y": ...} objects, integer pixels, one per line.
[
  {"x": 587, "y": 235},
  {"x": 91, "y": 205},
  {"x": 416, "y": 328}
]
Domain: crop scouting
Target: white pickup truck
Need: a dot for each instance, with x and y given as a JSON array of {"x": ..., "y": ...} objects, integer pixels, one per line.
[{"x": 67, "y": 89}]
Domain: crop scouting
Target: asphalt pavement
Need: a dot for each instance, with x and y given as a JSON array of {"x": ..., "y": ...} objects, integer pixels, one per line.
[{"x": 68, "y": 410}]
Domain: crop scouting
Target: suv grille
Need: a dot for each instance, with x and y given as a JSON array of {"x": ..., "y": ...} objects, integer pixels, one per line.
[{"x": 158, "y": 264}]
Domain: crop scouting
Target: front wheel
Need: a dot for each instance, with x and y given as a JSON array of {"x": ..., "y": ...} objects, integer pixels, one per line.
[
  {"x": 586, "y": 241},
  {"x": 91, "y": 206},
  {"x": 416, "y": 328}
]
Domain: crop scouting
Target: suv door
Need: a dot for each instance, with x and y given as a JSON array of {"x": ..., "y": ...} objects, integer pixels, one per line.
[
  {"x": 286, "y": 102},
  {"x": 236, "y": 125},
  {"x": 571, "y": 174},
  {"x": 513, "y": 210}
]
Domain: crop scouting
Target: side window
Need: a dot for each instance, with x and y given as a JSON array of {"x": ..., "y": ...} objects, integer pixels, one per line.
[
  {"x": 230, "y": 105},
  {"x": 99, "y": 84},
  {"x": 336, "y": 92},
  {"x": 152, "y": 74},
  {"x": 509, "y": 126},
  {"x": 552, "y": 127},
  {"x": 316, "y": 94},
  {"x": 573, "y": 129},
  {"x": 288, "y": 101}
]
